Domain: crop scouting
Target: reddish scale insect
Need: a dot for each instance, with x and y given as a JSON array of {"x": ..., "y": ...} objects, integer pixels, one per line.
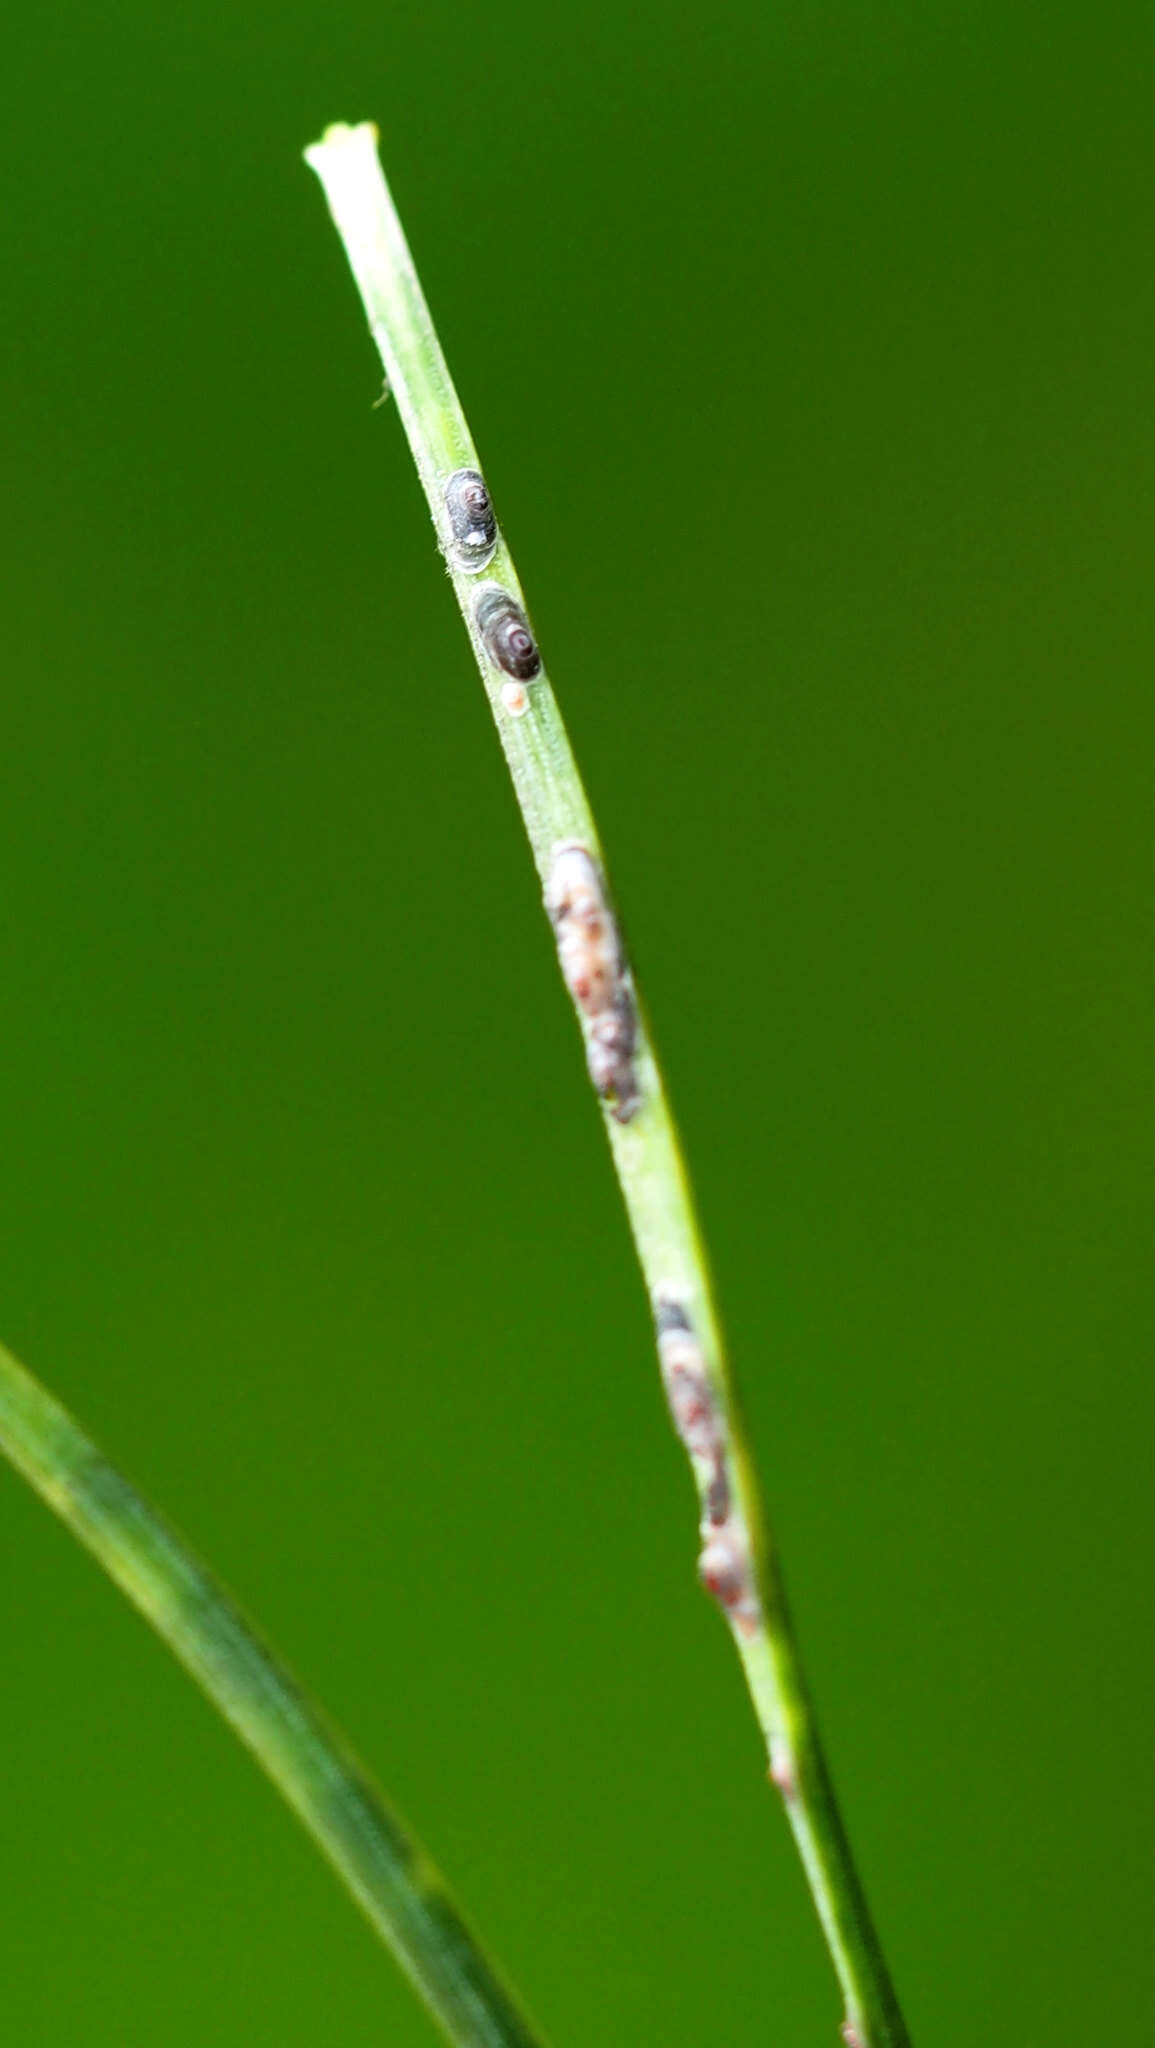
[
  {"x": 724, "y": 1569},
  {"x": 721, "y": 1572}
]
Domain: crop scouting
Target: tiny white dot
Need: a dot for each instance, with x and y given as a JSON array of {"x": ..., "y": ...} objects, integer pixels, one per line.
[{"x": 514, "y": 699}]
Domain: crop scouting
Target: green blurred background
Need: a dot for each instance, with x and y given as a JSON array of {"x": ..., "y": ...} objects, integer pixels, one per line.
[{"x": 810, "y": 352}]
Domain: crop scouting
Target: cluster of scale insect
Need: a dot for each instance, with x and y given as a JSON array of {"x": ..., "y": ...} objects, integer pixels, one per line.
[
  {"x": 724, "y": 1565},
  {"x": 469, "y": 537},
  {"x": 593, "y": 965}
]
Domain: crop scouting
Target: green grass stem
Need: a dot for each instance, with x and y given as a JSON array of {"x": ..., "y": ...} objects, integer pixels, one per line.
[
  {"x": 737, "y": 1562},
  {"x": 388, "y": 1874}
]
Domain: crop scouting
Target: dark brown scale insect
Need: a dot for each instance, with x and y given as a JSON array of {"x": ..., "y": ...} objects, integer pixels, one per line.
[
  {"x": 504, "y": 629},
  {"x": 472, "y": 525}
]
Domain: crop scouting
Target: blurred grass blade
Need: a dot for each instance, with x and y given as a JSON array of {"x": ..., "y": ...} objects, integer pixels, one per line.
[{"x": 387, "y": 1873}]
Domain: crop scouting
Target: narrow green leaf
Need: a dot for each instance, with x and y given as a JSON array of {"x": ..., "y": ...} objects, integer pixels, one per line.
[
  {"x": 387, "y": 1873},
  {"x": 736, "y": 1563}
]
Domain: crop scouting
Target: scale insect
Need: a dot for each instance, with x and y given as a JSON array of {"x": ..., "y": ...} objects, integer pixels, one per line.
[
  {"x": 594, "y": 969},
  {"x": 472, "y": 522},
  {"x": 506, "y": 636},
  {"x": 696, "y": 1414}
]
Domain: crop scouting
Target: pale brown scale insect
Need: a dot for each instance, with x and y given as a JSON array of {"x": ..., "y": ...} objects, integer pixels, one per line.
[
  {"x": 593, "y": 967},
  {"x": 692, "y": 1404},
  {"x": 587, "y": 937},
  {"x": 610, "y": 1052},
  {"x": 697, "y": 1416}
]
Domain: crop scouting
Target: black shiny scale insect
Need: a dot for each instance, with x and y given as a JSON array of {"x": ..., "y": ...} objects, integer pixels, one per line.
[
  {"x": 471, "y": 519},
  {"x": 504, "y": 629}
]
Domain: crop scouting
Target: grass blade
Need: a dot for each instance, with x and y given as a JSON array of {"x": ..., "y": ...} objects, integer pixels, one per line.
[
  {"x": 736, "y": 1563},
  {"x": 389, "y": 1876}
]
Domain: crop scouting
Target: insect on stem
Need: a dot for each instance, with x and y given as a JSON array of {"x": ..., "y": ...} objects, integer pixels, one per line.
[{"x": 735, "y": 1560}]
